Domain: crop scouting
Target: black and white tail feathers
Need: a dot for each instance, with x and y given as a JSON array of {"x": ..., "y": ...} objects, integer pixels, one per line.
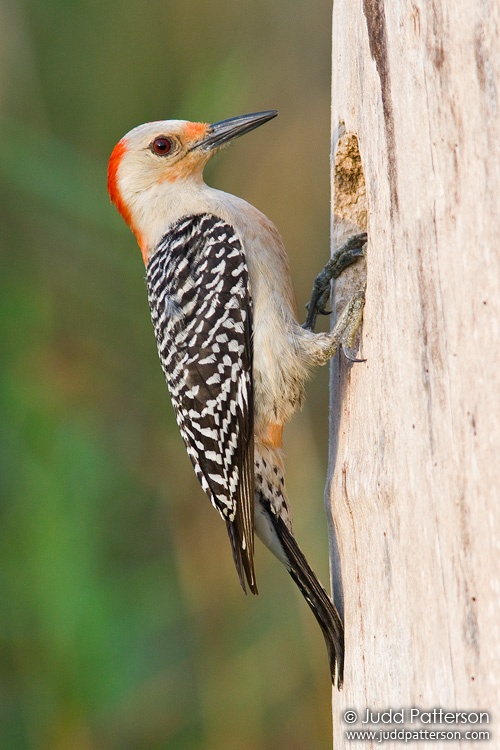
[{"x": 315, "y": 595}]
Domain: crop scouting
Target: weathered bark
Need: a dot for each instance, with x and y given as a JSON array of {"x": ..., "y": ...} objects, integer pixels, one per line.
[{"x": 416, "y": 429}]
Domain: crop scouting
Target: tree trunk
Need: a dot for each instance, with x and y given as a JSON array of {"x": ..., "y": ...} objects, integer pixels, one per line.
[{"x": 415, "y": 448}]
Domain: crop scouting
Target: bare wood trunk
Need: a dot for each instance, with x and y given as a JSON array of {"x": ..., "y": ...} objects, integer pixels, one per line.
[{"x": 416, "y": 429}]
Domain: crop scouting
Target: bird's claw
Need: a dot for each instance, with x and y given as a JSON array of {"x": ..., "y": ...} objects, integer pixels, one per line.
[{"x": 346, "y": 351}]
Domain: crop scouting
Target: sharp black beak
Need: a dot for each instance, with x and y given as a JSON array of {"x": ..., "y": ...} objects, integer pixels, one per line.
[{"x": 225, "y": 130}]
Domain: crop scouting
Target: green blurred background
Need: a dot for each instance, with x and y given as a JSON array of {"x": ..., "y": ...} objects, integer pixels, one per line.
[{"x": 122, "y": 624}]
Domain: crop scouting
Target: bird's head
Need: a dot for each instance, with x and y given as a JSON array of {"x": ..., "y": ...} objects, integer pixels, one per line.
[{"x": 168, "y": 153}]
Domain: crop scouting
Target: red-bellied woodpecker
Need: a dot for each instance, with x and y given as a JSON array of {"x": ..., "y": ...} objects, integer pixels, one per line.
[{"x": 234, "y": 356}]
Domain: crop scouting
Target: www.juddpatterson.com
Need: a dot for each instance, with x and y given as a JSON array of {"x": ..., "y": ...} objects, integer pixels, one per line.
[{"x": 409, "y": 735}]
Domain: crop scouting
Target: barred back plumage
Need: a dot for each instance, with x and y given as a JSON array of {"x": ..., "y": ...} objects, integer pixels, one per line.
[{"x": 201, "y": 308}]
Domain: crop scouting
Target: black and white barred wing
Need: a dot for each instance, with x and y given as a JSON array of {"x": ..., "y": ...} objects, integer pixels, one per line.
[{"x": 201, "y": 309}]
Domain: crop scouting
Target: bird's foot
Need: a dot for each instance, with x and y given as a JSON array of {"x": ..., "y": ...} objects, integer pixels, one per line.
[
  {"x": 347, "y": 327},
  {"x": 345, "y": 256}
]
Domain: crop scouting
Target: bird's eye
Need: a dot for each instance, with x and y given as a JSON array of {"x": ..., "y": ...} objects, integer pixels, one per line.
[{"x": 161, "y": 146}]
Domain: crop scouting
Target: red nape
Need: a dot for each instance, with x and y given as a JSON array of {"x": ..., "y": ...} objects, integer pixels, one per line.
[
  {"x": 115, "y": 195},
  {"x": 114, "y": 192}
]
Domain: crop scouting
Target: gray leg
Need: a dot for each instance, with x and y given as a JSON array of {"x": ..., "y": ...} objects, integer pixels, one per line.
[
  {"x": 344, "y": 257},
  {"x": 324, "y": 345}
]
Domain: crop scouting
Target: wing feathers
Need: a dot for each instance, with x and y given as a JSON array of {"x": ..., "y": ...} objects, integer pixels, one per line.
[{"x": 201, "y": 309}]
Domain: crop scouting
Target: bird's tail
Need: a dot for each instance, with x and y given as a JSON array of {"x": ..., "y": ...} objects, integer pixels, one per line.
[
  {"x": 318, "y": 600},
  {"x": 273, "y": 526}
]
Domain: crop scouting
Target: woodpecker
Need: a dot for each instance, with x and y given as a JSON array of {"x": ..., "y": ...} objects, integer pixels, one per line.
[{"x": 234, "y": 356}]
